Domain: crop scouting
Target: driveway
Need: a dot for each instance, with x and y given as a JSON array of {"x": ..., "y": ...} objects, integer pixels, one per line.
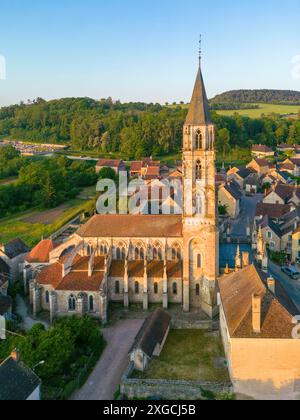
[
  {"x": 107, "y": 375},
  {"x": 292, "y": 287}
]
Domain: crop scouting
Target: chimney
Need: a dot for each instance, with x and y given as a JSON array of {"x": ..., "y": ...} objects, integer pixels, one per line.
[
  {"x": 272, "y": 285},
  {"x": 15, "y": 355},
  {"x": 256, "y": 313},
  {"x": 246, "y": 259}
]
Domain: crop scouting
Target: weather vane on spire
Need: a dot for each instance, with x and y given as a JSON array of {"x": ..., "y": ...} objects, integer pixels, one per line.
[{"x": 200, "y": 49}]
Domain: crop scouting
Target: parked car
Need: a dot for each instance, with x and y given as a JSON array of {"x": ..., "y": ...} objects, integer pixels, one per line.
[{"x": 292, "y": 272}]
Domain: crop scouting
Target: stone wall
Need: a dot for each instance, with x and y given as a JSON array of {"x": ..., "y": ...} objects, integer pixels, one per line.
[{"x": 169, "y": 390}]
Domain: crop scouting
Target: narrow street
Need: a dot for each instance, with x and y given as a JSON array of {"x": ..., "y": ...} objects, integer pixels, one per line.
[
  {"x": 292, "y": 287},
  {"x": 246, "y": 217}
]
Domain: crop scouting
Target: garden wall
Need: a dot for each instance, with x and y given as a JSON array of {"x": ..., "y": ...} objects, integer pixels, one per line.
[{"x": 169, "y": 390}]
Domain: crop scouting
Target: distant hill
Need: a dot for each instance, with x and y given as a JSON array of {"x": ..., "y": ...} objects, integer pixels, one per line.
[{"x": 244, "y": 96}]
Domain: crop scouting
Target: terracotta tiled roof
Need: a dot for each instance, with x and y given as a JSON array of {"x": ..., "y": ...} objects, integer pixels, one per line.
[
  {"x": 272, "y": 210},
  {"x": 78, "y": 279},
  {"x": 136, "y": 166},
  {"x": 130, "y": 226},
  {"x": 261, "y": 148},
  {"x": 136, "y": 269},
  {"x": 81, "y": 282},
  {"x": 156, "y": 269},
  {"x": 174, "y": 269},
  {"x": 110, "y": 163},
  {"x": 236, "y": 291},
  {"x": 40, "y": 253},
  {"x": 117, "y": 269}
]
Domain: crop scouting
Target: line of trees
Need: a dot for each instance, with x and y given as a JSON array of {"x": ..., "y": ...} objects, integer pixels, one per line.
[{"x": 133, "y": 129}]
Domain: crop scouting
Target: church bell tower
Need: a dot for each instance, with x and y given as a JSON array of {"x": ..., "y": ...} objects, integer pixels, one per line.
[{"x": 200, "y": 232}]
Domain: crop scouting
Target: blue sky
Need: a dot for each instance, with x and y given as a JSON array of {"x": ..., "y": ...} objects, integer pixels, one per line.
[{"x": 145, "y": 50}]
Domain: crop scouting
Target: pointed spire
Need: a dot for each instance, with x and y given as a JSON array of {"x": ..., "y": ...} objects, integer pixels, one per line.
[{"x": 199, "y": 113}]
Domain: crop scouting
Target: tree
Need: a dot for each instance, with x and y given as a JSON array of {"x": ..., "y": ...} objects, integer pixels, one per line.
[
  {"x": 223, "y": 141},
  {"x": 107, "y": 173}
]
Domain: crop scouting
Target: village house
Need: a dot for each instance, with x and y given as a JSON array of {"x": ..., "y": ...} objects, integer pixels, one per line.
[
  {"x": 115, "y": 164},
  {"x": 280, "y": 194},
  {"x": 230, "y": 196},
  {"x": 150, "y": 340},
  {"x": 252, "y": 184},
  {"x": 146, "y": 168},
  {"x": 285, "y": 148},
  {"x": 256, "y": 321},
  {"x": 261, "y": 166},
  {"x": 14, "y": 254},
  {"x": 17, "y": 381},
  {"x": 292, "y": 166},
  {"x": 262, "y": 151},
  {"x": 240, "y": 176}
]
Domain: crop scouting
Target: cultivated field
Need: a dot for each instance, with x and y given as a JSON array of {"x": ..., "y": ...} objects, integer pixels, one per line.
[
  {"x": 31, "y": 226},
  {"x": 266, "y": 109}
]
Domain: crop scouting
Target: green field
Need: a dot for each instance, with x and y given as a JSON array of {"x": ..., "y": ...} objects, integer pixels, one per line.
[
  {"x": 18, "y": 226},
  {"x": 266, "y": 109}
]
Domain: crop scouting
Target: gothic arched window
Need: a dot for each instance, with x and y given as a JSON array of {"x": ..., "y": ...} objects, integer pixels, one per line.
[
  {"x": 175, "y": 289},
  {"x": 72, "y": 303},
  {"x": 136, "y": 288},
  {"x": 157, "y": 253},
  {"x": 199, "y": 261},
  {"x": 156, "y": 288},
  {"x": 197, "y": 290},
  {"x": 199, "y": 140},
  {"x": 198, "y": 170},
  {"x": 47, "y": 297},
  {"x": 91, "y": 303},
  {"x": 139, "y": 253},
  {"x": 117, "y": 288}
]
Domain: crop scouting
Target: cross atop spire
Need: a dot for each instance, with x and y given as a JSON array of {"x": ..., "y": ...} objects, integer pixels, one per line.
[{"x": 200, "y": 50}]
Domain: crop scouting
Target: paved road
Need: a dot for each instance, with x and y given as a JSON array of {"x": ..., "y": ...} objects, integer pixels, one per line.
[
  {"x": 292, "y": 287},
  {"x": 248, "y": 208},
  {"x": 106, "y": 377}
]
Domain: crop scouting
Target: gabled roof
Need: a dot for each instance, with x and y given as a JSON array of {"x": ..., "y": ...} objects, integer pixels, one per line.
[
  {"x": 152, "y": 332},
  {"x": 233, "y": 191},
  {"x": 131, "y": 226},
  {"x": 244, "y": 172},
  {"x": 261, "y": 148},
  {"x": 284, "y": 191},
  {"x": 17, "y": 381},
  {"x": 275, "y": 211},
  {"x": 236, "y": 291},
  {"x": 15, "y": 248},
  {"x": 41, "y": 252},
  {"x": 268, "y": 223},
  {"x": 199, "y": 113},
  {"x": 110, "y": 163}
]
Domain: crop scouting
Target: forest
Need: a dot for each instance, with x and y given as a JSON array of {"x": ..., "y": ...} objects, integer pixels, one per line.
[
  {"x": 132, "y": 130},
  {"x": 244, "y": 96}
]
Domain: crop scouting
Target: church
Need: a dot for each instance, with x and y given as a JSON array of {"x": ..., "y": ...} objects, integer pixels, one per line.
[{"x": 144, "y": 259}]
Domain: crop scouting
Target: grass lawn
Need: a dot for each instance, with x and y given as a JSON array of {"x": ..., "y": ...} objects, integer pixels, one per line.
[
  {"x": 16, "y": 226},
  {"x": 188, "y": 355}
]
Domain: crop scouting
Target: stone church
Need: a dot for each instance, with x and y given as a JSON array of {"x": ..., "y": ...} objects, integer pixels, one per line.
[{"x": 145, "y": 259}]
